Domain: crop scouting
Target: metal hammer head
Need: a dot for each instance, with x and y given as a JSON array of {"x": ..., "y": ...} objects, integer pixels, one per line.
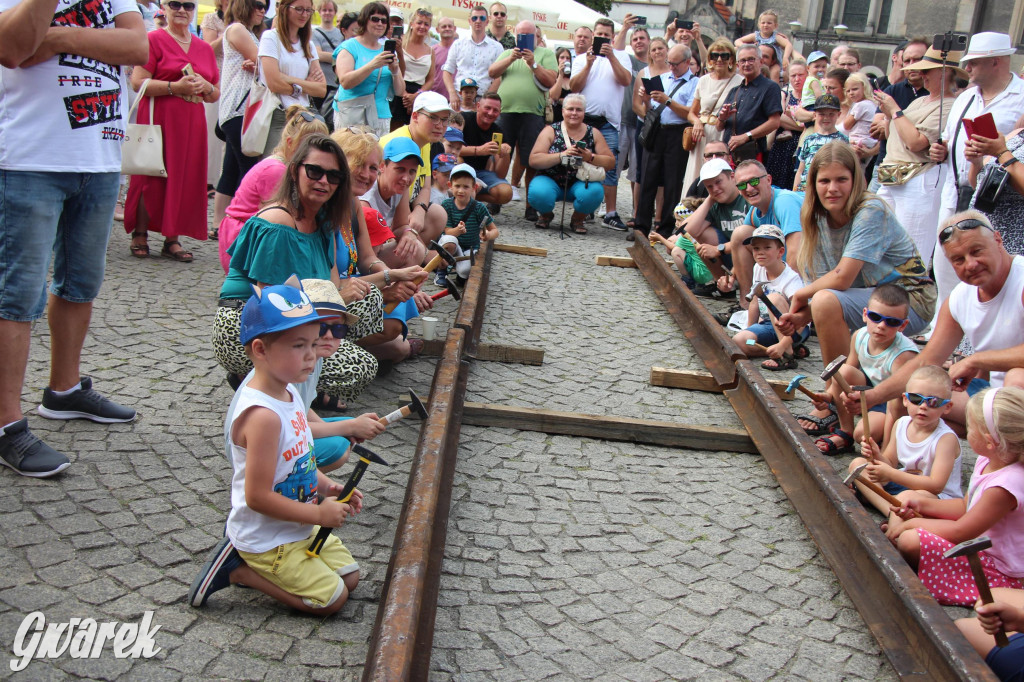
[
  {"x": 833, "y": 367},
  {"x": 448, "y": 258},
  {"x": 452, "y": 289},
  {"x": 759, "y": 289},
  {"x": 795, "y": 382},
  {"x": 855, "y": 474},
  {"x": 417, "y": 405},
  {"x": 367, "y": 454},
  {"x": 968, "y": 547}
]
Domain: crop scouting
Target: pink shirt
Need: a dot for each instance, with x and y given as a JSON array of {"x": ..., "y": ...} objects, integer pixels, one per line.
[
  {"x": 258, "y": 185},
  {"x": 1008, "y": 535},
  {"x": 440, "y": 57}
]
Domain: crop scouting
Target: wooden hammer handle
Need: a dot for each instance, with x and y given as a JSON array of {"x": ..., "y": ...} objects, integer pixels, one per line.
[
  {"x": 881, "y": 492},
  {"x": 808, "y": 392},
  {"x": 391, "y": 418},
  {"x": 983, "y": 590}
]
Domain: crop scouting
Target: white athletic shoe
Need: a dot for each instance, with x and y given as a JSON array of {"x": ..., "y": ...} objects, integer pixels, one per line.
[{"x": 515, "y": 194}]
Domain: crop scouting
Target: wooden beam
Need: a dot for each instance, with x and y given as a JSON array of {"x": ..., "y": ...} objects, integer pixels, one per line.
[
  {"x": 702, "y": 381},
  {"x": 521, "y": 250},
  {"x": 492, "y": 352},
  {"x": 609, "y": 427},
  {"x": 615, "y": 261}
]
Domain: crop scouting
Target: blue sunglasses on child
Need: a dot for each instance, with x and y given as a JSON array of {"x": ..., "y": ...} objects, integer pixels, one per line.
[
  {"x": 338, "y": 331},
  {"x": 893, "y": 322},
  {"x": 929, "y": 400}
]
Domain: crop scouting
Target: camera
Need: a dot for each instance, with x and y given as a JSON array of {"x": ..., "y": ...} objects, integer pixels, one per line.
[
  {"x": 687, "y": 24},
  {"x": 397, "y": 32},
  {"x": 572, "y": 161},
  {"x": 641, "y": 21},
  {"x": 949, "y": 42},
  {"x": 567, "y": 69}
]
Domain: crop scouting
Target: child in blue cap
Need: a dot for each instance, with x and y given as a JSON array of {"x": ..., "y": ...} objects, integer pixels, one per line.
[{"x": 276, "y": 486}]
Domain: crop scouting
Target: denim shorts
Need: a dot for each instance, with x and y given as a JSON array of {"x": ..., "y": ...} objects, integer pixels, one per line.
[
  {"x": 490, "y": 179},
  {"x": 68, "y": 215}
]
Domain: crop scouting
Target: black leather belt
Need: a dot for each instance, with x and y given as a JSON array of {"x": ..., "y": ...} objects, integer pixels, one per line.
[{"x": 231, "y": 303}]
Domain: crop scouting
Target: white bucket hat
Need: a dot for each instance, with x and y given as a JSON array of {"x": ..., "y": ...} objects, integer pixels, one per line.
[{"x": 988, "y": 44}]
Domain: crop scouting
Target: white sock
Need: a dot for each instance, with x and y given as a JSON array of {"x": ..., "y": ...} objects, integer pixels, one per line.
[
  {"x": 609, "y": 214},
  {"x": 76, "y": 387}
]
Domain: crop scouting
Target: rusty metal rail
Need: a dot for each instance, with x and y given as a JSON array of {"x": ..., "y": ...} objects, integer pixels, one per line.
[{"x": 916, "y": 635}]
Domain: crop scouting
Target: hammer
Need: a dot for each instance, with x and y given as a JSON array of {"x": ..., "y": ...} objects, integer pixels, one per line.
[
  {"x": 365, "y": 457},
  {"x": 471, "y": 257},
  {"x": 871, "y": 485},
  {"x": 416, "y": 405},
  {"x": 773, "y": 309},
  {"x": 970, "y": 549},
  {"x": 795, "y": 383},
  {"x": 442, "y": 255},
  {"x": 755, "y": 344},
  {"x": 449, "y": 290},
  {"x": 832, "y": 372},
  {"x": 866, "y": 427}
]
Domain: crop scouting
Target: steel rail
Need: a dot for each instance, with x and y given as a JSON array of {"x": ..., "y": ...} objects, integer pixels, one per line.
[{"x": 918, "y": 638}]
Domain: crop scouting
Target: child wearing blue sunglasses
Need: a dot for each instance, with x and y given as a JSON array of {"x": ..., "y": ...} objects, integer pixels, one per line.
[{"x": 922, "y": 459}]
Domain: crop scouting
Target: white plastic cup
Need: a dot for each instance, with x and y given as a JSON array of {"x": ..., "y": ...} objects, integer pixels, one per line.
[{"x": 429, "y": 328}]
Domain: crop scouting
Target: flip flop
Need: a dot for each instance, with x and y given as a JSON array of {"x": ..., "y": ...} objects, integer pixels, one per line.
[
  {"x": 330, "y": 403},
  {"x": 787, "y": 362}
]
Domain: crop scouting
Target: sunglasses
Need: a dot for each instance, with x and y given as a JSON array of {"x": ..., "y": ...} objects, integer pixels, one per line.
[
  {"x": 716, "y": 56},
  {"x": 963, "y": 226},
  {"x": 309, "y": 117},
  {"x": 363, "y": 130},
  {"x": 498, "y": 14},
  {"x": 753, "y": 182},
  {"x": 315, "y": 172},
  {"x": 175, "y": 5},
  {"x": 259, "y": 7},
  {"x": 893, "y": 322},
  {"x": 718, "y": 155},
  {"x": 379, "y": 20},
  {"x": 928, "y": 400},
  {"x": 478, "y": 18},
  {"x": 338, "y": 330}
]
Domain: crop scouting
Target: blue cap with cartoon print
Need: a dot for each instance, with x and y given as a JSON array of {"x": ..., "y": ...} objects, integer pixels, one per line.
[{"x": 275, "y": 309}]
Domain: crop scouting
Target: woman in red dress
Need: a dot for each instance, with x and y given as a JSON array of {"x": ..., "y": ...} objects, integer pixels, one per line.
[{"x": 175, "y": 206}]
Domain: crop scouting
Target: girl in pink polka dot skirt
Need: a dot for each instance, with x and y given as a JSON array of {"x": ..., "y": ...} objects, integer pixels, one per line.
[{"x": 994, "y": 506}]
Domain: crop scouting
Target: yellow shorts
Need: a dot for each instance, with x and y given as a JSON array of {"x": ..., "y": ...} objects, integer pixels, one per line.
[{"x": 317, "y": 581}]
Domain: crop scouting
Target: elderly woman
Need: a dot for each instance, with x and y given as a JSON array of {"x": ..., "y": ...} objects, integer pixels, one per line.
[
  {"x": 986, "y": 155},
  {"x": 289, "y": 65},
  {"x": 910, "y": 179},
  {"x": 707, "y": 101},
  {"x": 294, "y": 234},
  {"x": 239, "y": 43},
  {"x": 851, "y": 243},
  {"x": 559, "y": 152},
  {"x": 175, "y": 204},
  {"x": 366, "y": 73}
]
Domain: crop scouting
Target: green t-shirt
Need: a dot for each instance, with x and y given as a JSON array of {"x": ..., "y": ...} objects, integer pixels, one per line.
[
  {"x": 518, "y": 89},
  {"x": 727, "y": 217},
  {"x": 476, "y": 217},
  {"x": 271, "y": 253}
]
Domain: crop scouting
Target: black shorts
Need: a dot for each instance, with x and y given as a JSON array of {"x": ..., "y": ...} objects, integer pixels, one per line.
[{"x": 522, "y": 131}]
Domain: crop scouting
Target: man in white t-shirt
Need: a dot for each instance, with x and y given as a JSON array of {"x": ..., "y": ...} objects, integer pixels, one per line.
[
  {"x": 471, "y": 57},
  {"x": 602, "y": 78},
  {"x": 60, "y": 165}
]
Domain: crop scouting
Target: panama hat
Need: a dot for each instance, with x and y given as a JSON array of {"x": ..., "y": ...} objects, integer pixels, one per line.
[{"x": 988, "y": 44}]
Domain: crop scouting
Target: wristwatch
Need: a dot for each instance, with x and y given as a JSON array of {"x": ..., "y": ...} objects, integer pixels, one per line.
[
  {"x": 721, "y": 247},
  {"x": 899, "y": 114},
  {"x": 534, "y": 67},
  {"x": 750, "y": 136}
]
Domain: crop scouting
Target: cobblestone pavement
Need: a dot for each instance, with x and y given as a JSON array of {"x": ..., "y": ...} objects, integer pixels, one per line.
[{"x": 568, "y": 558}]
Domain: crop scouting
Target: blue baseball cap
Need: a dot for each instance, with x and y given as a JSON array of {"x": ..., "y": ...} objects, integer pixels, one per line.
[
  {"x": 467, "y": 83},
  {"x": 464, "y": 168},
  {"x": 276, "y": 309},
  {"x": 815, "y": 56},
  {"x": 454, "y": 135},
  {"x": 444, "y": 162},
  {"x": 401, "y": 148}
]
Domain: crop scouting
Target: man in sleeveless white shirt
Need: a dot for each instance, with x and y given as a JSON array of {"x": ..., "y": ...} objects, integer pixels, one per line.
[
  {"x": 61, "y": 130},
  {"x": 986, "y": 307}
]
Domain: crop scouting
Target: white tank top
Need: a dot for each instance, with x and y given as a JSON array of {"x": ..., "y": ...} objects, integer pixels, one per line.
[
  {"x": 234, "y": 82},
  {"x": 995, "y": 324},
  {"x": 416, "y": 67},
  {"x": 921, "y": 456},
  {"x": 294, "y": 474}
]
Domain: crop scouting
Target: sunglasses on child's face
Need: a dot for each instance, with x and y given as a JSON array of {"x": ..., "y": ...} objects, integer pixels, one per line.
[
  {"x": 928, "y": 400},
  {"x": 338, "y": 330},
  {"x": 753, "y": 182},
  {"x": 893, "y": 322},
  {"x": 315, "y": 172}
]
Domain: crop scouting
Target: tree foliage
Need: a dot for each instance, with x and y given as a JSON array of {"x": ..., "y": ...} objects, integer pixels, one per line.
[{"x": 602, "y": 6}]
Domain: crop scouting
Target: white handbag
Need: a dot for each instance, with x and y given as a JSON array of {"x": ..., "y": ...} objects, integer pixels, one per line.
[
  {"x": 142, "y": 151},
  {"x": 259, "y": 109}
]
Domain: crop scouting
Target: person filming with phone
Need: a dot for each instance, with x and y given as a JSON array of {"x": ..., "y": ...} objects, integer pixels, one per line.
[{"x": 365, "y": 71}]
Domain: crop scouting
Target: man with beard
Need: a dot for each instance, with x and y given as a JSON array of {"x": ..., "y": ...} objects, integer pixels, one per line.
[{"x": 489, "y": 159}]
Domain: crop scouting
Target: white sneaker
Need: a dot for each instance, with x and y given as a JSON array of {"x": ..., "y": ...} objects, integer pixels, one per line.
[
  {"x": 602, "y": 211},
  {"x": 515, "y": 194}
]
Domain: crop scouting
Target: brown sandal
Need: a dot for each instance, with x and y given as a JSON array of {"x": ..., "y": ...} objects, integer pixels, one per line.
[
  {"x": 576, "y": 223},
  {"x": 544, "y": 221},
  {"x": 140, "y": 245},
  {"x": 415, "y": 348},
  {"x": 181, "y": 255}
]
